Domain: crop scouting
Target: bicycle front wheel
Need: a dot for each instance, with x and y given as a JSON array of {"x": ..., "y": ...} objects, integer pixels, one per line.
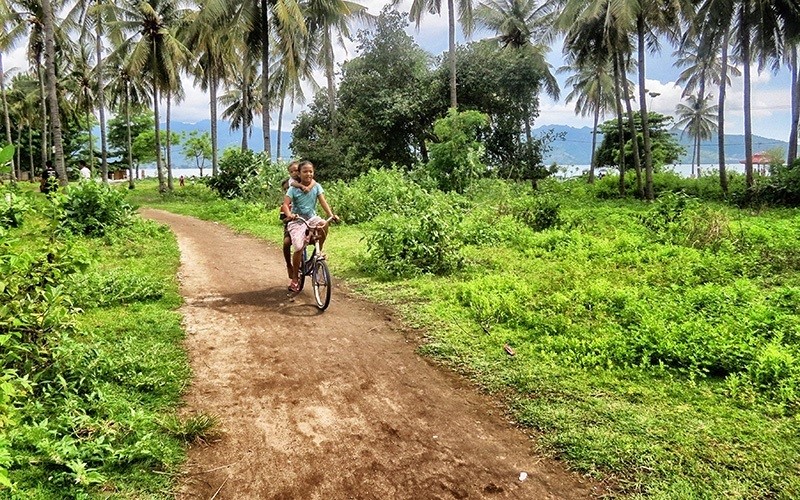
[{"x": 321, "y": 281}]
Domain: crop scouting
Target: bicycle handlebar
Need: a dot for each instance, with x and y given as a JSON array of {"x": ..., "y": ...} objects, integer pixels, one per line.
[{"x": 305, "y": 221}]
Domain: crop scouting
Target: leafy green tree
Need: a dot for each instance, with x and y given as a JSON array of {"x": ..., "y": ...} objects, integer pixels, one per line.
[
  {"x": 666, "y": 148},
  {"x": 123, "y": 135},
  {"x": 388, "y": 101},
  {"x": 504, "y": 83},
  {"x": 457, "y": 156},
  {"x": 197, "y": 146}
]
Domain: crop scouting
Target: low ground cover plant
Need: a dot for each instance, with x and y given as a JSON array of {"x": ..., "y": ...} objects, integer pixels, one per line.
[
  {"x": 656, "y": 345},
  {"x": 91, "y": 358}
]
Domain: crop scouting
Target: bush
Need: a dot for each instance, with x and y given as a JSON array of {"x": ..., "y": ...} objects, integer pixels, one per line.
[
  {"x": 236, "y": 168},
  {"x": 537, "y": 212},
  {"x": 423, "y": 243},
  {"x": 457, "y": 159},
  {"x": 374, "y": 193},
  {"x": 13, "y": 207},
  {"x": 92, "y": 208}
]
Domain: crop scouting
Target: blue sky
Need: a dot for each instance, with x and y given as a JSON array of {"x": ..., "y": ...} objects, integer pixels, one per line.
[{"x": 770, "y": 99}]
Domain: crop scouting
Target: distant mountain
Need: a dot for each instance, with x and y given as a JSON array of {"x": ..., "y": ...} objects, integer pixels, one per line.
[{"x": 575, "y": 147}]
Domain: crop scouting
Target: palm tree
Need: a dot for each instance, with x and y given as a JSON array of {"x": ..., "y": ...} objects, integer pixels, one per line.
[
  {"x": 759, "y": 29},
  {"x": 331, "y": 19},
  {"x": 13, "y": 29},
  {"x": 707, "y": 63},
  {"x": 49, "y": 22},
  {"x": 593, "y": 92},
  {"x": 522, "y": 26},
  {"x": 465, "y": 17},
  {"x": 697, "y": 118},
  {"x": 154, "y": 50},
  {"x": 240, "y": 101},
  {"x": 82, "y": 80},
  {"x": 293, "y": 62},
  {"x": 256, "y": 20},
  {"x": 208, "y": 36}
]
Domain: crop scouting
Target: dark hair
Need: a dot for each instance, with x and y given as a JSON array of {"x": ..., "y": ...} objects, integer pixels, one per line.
[{"x": 304, "y": 163}]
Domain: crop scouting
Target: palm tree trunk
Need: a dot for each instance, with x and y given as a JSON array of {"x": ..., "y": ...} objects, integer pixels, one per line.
[
  {"x": 246, "y": 107},
  {"x": 6, "y": 115},
  {"x": 31, "y": 167},
  {"x": 451, "y": 27},
  {"x": 101, "y": 100},
  {"x": 648, "y": 154},
  {"x": 129, "y": 137},
  {"x": 637, "y": 163},
  {"x": 52, "y": 96},
  {"x": 795, "y": 89},
  {"x": 620, "y": 130},
  {"x": 89, "y": 131},
  {"x": 265, "y": 125},
  {"x": 331, "y": 83},
  {"x": 723, "y": 85},
  {"x": 43, "y": 92},
  {"x": 162, "y": 186},
  {"x": 169, "y": 141},
  {"x": 280, "y": 119},
  {"x": 212, "y": 86},
  {"x": 594, "y": 144},
  {"x": 748, "y": 125}
]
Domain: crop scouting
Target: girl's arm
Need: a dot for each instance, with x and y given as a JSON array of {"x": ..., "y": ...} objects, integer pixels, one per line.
[
  {"x": 298, "y": 185},
  {"x": 285, "y": 208},
  {"x": 326, "y": 207}
]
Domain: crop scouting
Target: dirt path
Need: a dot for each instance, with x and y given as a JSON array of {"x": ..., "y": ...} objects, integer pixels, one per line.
[{"x": 331, "y": 405}]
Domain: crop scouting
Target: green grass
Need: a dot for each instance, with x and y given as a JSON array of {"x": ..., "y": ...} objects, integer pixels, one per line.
[
  {"x": 95, "y": 430},
  {"x": 663, "y": 360}
]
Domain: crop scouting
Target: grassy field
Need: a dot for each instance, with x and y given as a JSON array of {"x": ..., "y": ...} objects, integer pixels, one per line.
[
  {"x": 656, "y": 346},
  {"x": 94, "y": 414}
]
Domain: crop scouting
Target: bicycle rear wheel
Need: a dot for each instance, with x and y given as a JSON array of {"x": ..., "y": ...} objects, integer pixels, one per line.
[{"x": 321, "y": 281}]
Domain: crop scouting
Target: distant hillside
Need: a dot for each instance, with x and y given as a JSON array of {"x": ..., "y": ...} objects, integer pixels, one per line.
[{"x": 576, "y": 146}]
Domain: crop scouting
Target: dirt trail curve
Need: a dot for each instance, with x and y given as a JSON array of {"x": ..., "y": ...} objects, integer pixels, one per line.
[{"x": 331, "y": 405}]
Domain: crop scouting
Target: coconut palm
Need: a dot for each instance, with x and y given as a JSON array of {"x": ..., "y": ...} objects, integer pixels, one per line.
[
  {"x": 697, "y": 118},
  {"x": 146, "y": 31},
  {"x": 125, "y": 91},
  {"x": 593, "y": 92},
  {"x": 293, "y": 63},
  {"x": 331, "y": 21},
  {"x": 256, "y": 18},
  {"x": 759, "y": 29},
  {"x": 466, "y": 20},
  {"x": 49, "y": 22},
  {"x": 12, "y": 30},
  {"x": 522, "y": 26},
  {"x": 209, "y": 36},
  {"x": 242, "y": 106}
]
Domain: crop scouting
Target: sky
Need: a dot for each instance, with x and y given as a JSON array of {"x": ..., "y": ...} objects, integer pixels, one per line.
[{"x": 770, "y": 92}]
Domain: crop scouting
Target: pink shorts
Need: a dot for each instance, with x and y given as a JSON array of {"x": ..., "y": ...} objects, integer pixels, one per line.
[{"x": 297, "y": 231}]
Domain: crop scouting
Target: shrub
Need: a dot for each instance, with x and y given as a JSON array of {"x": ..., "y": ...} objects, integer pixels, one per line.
[
  {"x": 92, "y": 208},
  {"x": 13, "y": 207},
  {"x": 236, "y": 168},
  {"x": 423, "y": 243},
  {"x": 537, "y": 212},
  {"x": 374, "y": 193}
]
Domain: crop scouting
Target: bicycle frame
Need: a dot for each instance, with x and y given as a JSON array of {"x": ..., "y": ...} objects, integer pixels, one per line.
[{"x": 315, "y": 266}]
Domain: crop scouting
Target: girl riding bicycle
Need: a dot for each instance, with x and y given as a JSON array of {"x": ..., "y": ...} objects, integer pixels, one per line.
[{"x": 298, "y": 202}]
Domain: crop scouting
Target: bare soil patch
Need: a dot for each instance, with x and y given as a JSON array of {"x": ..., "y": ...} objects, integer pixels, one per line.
[{"x": 331, "y": 405}]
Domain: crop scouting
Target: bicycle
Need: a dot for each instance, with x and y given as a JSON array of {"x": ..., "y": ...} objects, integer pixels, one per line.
[{"x": 315, "y": 266}]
